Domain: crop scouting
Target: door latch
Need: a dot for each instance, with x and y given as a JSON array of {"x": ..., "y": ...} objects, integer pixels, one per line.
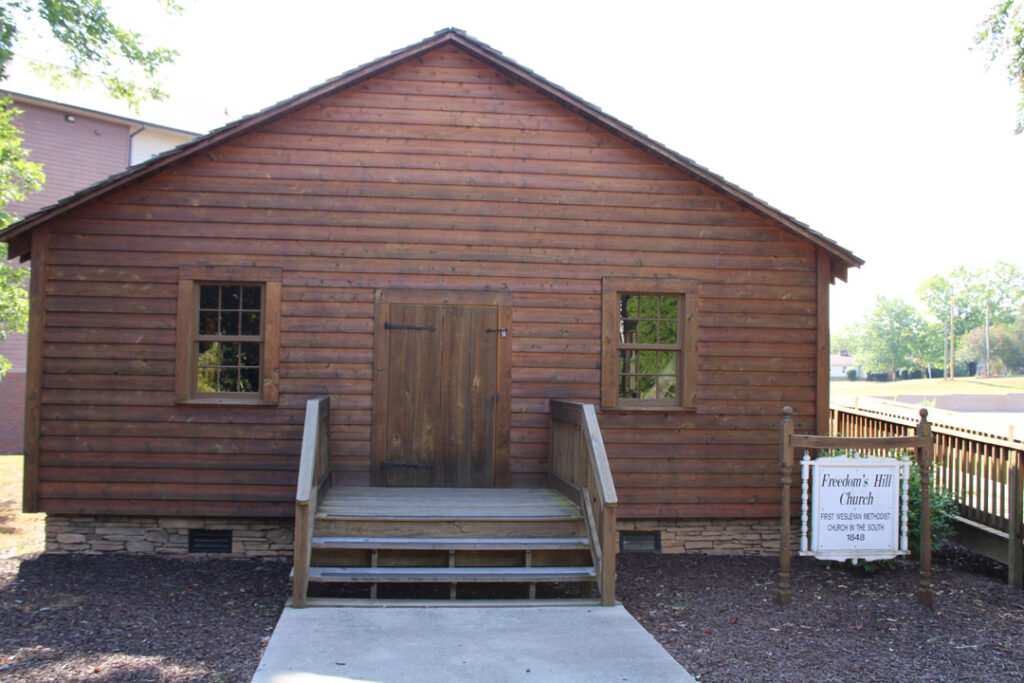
[{"x": 500, "y": 330}]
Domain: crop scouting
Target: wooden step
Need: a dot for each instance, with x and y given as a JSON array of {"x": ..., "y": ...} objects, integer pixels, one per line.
[
  {"x": 449, "y": 543},
  {"x": 329, "y": 525},
  {"x": 450, "y": 574}
]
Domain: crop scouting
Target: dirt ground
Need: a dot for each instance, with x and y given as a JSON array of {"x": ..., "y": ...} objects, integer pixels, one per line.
[{"x": 20, "y": 534}]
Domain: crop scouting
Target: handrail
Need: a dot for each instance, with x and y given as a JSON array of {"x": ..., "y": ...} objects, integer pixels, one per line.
[
  {"x": 578, "y": 467},
  {"x": 315, "y": 476}
]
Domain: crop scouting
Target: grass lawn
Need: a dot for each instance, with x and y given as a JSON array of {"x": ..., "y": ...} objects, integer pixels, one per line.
[
  {"x": 929, "y": 387},
  {"x": 19, "y": 533}
]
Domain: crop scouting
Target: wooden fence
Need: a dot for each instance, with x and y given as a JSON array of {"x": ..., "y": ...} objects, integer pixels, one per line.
[{"x": 978, "y": 462}]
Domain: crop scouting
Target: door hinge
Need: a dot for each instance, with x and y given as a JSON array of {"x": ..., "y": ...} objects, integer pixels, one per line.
[
  {"x": 500, "y": 330},
  {"x": 389, "y": 326}
]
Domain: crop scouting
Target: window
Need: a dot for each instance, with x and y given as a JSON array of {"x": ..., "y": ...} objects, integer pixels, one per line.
[
  {"x": 228, "y": 325},
  {"x": 649, "y": 345}
]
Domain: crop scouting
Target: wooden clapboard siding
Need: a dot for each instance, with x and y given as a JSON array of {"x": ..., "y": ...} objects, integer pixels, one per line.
[{"x": 443, "y": 174}]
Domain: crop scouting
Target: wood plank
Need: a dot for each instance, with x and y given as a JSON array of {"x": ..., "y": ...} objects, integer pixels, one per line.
[
  {"x": 466, "y": 429},
  {"x": 455, "y": 542},
  {"x": 38, "y": 305},
  {"x": 450, "y": 574},
  {"x": 414, "y": 399},
  {"x": 822, "y": 364}
]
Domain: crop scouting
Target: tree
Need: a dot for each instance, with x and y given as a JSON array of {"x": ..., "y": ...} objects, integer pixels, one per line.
[
  {"x": 965, "y": 300},
  {"x": 1005, "y": 348},
  {"x": 1002, "y": 34},
  {"x": 18, "y": 177},
  {"x": 998, "y": 291},
  {"x": 96, "y": 48},
  {"x": 889, "y": 337}
]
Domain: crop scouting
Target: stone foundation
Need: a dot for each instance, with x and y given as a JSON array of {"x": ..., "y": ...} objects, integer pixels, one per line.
[
  {"x": 713, "y": 536},
  {"x": 164, "y": 535}
]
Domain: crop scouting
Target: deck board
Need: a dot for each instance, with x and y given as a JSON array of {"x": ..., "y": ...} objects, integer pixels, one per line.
[{"x": 370, "y": 502}]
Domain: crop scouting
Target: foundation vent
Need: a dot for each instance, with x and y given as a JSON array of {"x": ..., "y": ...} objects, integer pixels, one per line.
[
  {"x": 639, "y": 541},
  {"x": 209, "y": 540}
]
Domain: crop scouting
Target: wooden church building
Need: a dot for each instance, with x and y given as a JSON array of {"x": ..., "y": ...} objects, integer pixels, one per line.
[{"x": 446, "y": 245}]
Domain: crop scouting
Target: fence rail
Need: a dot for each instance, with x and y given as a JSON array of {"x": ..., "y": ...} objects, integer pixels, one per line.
[{"x": 977, "y": 462}]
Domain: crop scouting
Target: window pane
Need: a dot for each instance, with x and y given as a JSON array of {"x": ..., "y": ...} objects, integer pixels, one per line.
[
  {"x": 250, "y": 355},
  {"x": 208, "y": 322},
  {"x": 646, "y": 386},
  {"x": 230, "y": 297},
  {"x": 208, "y": 296},
  {"x": 229, "y": 354},
  {"x": 647, "y": 332},
  {"x": 667, "y": 307},
  {"x": 251, "y": 323},
  {"x": 209, "y": 353},
  {"x": 647, "y": 362},
  {"x": 228, "y": 379},
  {"x": 666, "y": 386},
  {"x": 648, "y": 307},
  {"x": 207, "y": 379},
  {"x": 627, "y": 386},
  {"x": 628, "y": 306},
  {"x": 229, "y": 322},
  {"x": 249, "y": 379},
  {"x": 251, "y": 298},
  {"x": 627, "y": 333},
  {"x": 666, "y": 362},
  {"x": 627, "y": 361},
  {"x": 667, "y": 332},
  {"x": 229, "y": 366}
]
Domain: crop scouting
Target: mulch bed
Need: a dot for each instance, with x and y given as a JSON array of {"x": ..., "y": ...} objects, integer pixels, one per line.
[
  {"x": 717, "y": 616},
  {"x": 117, "y": 618}
]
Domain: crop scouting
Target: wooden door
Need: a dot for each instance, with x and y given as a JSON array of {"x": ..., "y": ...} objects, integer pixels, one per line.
[{"x": 442, "y": 396}]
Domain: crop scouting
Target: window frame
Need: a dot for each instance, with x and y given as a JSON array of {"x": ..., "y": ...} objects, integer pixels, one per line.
[
  {"x": 612, "y": 288},
  {"x": 187, "y": 361}
]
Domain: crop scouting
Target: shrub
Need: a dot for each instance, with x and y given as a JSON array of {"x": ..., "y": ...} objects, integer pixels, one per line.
[
  {"x": 851, "y": 374},
  {"x": 942, "y": 511}
]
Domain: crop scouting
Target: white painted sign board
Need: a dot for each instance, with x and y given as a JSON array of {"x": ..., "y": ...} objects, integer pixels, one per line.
[{"x": 858, "y": 508}]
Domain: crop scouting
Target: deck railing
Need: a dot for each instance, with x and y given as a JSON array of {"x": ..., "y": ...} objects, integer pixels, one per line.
[
  {"x": 578, "y": 467},
  {"x": 978, "y": 462},
  {"x": 315, "y": 477}
]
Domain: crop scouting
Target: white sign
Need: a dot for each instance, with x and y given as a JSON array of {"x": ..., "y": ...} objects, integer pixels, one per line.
[{"x": 856, "y": 512}]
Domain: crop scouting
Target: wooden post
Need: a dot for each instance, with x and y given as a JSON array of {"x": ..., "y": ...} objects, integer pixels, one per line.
[
  {"x": 783, "y": 595},
  {"x": 1015, "y": 553},
  {"x": 925, "y": 595}
]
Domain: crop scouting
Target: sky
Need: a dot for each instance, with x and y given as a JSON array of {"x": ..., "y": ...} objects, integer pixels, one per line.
[{"x": 873, "y": 122}]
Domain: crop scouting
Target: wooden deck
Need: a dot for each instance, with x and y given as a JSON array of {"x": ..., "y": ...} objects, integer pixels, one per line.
[
  {"x": 373, "y": 502},
  {"x": 523, "y": 538}
]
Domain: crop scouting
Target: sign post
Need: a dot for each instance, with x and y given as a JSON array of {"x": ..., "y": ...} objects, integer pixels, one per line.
[{"x": 854, "y": 507}]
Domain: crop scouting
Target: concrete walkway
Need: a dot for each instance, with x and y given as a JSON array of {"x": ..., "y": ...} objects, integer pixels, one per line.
[{"x": 493, "y": 644}]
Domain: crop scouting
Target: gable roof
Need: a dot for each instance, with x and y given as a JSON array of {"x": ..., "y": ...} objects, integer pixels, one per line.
[{"x": 16, "y": 234}]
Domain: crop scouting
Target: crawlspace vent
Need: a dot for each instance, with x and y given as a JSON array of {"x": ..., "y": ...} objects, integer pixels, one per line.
[
  {"x": 209, "y": 541},
  {"x": 640, "y": 541}
]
